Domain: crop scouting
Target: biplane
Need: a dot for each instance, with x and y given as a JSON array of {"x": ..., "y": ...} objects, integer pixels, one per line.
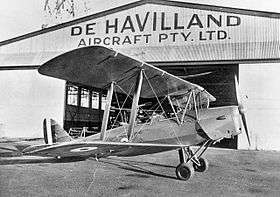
[{"x": 179, "y": 118}]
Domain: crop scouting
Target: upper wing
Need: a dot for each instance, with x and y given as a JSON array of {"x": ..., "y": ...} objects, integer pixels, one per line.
[{"x": 97, "y": 66}]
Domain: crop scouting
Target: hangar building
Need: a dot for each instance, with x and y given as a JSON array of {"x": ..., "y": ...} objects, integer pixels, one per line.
[{"x": 182, "y": 38}]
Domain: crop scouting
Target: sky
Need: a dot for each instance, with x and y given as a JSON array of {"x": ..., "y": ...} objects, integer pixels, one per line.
[{"x": 18, "y": 17}]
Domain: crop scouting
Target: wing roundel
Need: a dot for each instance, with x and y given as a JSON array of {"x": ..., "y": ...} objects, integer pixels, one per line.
[{"x": 98, "y": 66}]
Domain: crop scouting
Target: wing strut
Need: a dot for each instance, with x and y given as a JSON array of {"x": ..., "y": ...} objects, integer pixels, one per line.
[
  {"x": 170, "y": 102},
  {"x": 186, "y": 108},
  {"x": 107, "y": 111},
  {"x": 134, "y": 107},
  {"x": 195, "y": 106}
]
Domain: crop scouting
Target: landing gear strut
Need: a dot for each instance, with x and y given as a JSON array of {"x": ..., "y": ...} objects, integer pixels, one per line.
[{"x": 194, "y": 162}]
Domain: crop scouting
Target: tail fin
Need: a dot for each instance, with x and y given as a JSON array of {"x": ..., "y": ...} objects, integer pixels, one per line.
[
  {"x": 45, "y": 131},
  {"x": 58, "y": 134}
]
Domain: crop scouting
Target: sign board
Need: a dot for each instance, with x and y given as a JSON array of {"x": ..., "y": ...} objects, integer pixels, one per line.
[{"x": 157, "y": 33}]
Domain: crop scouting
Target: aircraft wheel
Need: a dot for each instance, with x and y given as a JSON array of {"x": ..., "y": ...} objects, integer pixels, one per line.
[
  {"x": 184, "y": 171},
  {"x": 203, "y": 165}
]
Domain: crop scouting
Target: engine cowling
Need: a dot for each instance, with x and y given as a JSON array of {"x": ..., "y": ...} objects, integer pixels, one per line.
[{"x": 220, "y": 122}]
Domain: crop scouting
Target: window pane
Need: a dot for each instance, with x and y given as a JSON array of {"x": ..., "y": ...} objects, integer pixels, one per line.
[
  {"x": 95, "y": 101},
  {"x": 104, "y": 100},
  {"x": 84, "y": 97},
  {"x": 72, "y": 95}
]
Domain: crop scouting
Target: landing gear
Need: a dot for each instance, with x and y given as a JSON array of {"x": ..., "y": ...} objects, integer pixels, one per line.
[
  {"x": 194, "y": 162},
  {"x": 203, "y": 165},
  {"x": 184, "y": 171}
]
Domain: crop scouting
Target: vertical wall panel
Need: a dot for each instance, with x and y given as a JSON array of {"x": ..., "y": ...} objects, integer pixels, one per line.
[
  {"x": 260, "y": 83},
  {"x": 27, "y": 98}
]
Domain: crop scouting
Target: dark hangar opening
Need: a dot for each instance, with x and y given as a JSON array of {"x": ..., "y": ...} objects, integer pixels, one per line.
[
  {"x": 84, "y": 105},
  {"x": 217, "y": 80}
]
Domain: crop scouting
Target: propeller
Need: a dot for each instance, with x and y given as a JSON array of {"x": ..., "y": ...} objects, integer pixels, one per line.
[{"x": 241, "y": 109}]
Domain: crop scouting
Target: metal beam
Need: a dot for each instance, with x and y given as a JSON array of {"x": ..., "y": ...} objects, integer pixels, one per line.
[
  {"x": 100, "y": 110},
  {"x": 182, "y": 156},
  {"x": 90, "y": 99},
  {"x": 107, "y": 111},
  {"x": 134, "y": 107}
]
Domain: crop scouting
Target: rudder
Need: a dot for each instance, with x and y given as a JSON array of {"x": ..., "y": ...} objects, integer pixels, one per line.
[{"x": 58, "y": 134}]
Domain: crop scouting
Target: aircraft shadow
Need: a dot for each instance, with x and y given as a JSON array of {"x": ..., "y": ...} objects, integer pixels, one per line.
[
  {"x": 128, "y": 165},
  {"x": 134, "y": 166},
  {"x": 26, "y": 160},
  {"x": 139, "y": 162}
]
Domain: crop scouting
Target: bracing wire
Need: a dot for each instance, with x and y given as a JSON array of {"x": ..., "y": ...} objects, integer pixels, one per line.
[
  {"x": 120, "y": 112},
  {"x": 123, "y": 103},
  {"x": 128, "y": 96},
  {"x": 128, "y": 93},
  {"x": 178, "y": 140}
]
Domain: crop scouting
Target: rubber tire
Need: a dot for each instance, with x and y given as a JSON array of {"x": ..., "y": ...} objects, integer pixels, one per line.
[
  {"x": 184, "y": 171},
  {"x": 204, "y": 164}
]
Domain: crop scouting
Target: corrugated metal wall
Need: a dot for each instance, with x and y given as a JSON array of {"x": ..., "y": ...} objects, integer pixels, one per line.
[{"x": 157, "y": 32}]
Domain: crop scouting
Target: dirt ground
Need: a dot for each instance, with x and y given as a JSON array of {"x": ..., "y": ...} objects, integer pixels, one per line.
[{"x": 231, "y": 173}]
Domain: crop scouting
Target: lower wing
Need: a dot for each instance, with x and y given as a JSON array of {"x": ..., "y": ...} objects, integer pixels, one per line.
[{"x": 97, "y": 148}]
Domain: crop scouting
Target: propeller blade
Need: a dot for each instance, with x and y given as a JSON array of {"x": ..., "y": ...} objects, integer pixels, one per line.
[
  {"x": 237, "y": 90},
  {"x": 195, "y": 75},
  {"x": 241, "y": 109},
  {"x": 246, "y": 128}
]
